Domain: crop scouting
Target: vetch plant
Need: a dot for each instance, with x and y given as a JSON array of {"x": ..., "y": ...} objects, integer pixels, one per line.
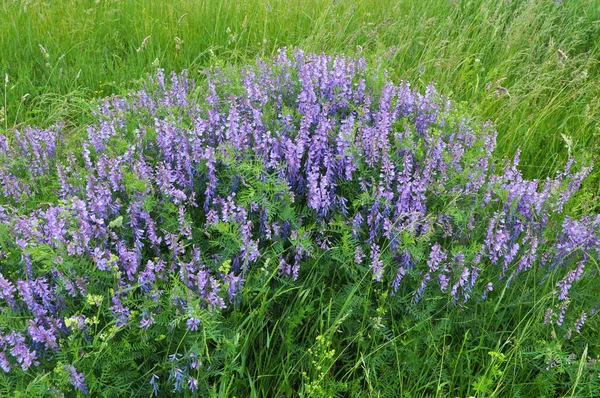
[{"x": 143, "y": 237}]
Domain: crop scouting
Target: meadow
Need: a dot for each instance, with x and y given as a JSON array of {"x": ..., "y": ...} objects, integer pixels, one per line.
[{"x": 299, "y": 198}]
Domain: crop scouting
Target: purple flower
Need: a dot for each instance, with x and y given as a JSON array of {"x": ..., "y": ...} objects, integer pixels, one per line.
[
  {"x": 497, "y": 239},
  {"x": 547, "y": 316},
  {"x": 561, "y": 314},
  {"x": 444, "y": 281},
  {"x": 357, "y": 225},
  {"x": 4, "y": 364},
  {"x": 153, "y": 383},
  {"x": 488, "y": 288},
  {"x": 147, "y": 320},
  {"x": 358, "y": 255},
  {"x": 436, "y": 256},
  {"x": 177, "y": 376},
  {"x": 419, "y": 292},
  {"x": 194, "y": 363},
  {"x": 20, "y": 352},
  {"x": 376, "y": 263},
  {"x": 77, "y": 379},
  {"x": 572, "y": 276},
  {"x": 40, "y": 334},
  {"x": 192, "y": 324},
  {"x": 7, "y": 291},
  {"x": 192, "y": 383},
  {"x": 579, "y": 323},
  {"x": 461, "y": 283}
]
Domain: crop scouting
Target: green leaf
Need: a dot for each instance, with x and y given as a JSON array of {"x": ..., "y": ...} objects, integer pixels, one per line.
[{"x": 116, "y": 223}]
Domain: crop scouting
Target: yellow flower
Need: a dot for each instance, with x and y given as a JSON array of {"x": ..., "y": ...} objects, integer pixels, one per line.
[{"x": 93, "y": 299}]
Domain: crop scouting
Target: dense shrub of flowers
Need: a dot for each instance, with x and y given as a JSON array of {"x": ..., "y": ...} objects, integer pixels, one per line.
[{"x": 178, "y": 193}]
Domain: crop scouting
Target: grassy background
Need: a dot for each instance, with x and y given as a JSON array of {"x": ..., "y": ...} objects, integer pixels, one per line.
[
  {"x": 544, "y": 53},
  {"x": 530, "y": 66}
]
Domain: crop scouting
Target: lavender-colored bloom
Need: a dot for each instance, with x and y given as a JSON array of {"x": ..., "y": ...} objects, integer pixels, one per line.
[
  {"x": 77, "y": 379},
  {"x": 497, "y": 239},
  {"x": 121, "y": 313},
  {"x": 547, "y": 316},
  {"x": 192, "y": 383},
  {"x": 38, "y": 147},
  {"x": 44, "y": 335},
  {"x": 4, "y": 364},
  {"x": 436, "y": 256},
  {"x": 579, "y": 323},
  {"x": 177, "y": 376},
  {"x": 461, "y": 283},
  {"x": 561, "y": 314},
  {"x": 444, "y": 281},
  {"x": 488, "y": 288},
  {"x": 406, "y": 263},
  {"x": 576, "y": 236},
  {"x": 23, "y": 355},
  {"x": 530, "y": 256},
  {"x": 358, "y": 255},
  {"x": 7, "y": 291},
  {"x": 192, "y": 324},
  {"x": 175, "y": 357},
  {"x": 166, "y": 178},
  {"x": 193, "y": 361},
  {"x": 419, "y": 292},
  {"x": 147, "y": 320},
  {"x": 572, "y": 276},
  {"x": 27, "y": 292},
  {"x": 153, "y": 383},
  {"x": 235, "y": 283},
  {"x": 357, "y": 225},
  {"x": 376, "y": 263}
]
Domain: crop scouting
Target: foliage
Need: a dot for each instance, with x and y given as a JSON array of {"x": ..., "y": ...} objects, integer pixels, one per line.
[
  {"x": 301, "y": 226},
  {"x": 530, "y": 66}
]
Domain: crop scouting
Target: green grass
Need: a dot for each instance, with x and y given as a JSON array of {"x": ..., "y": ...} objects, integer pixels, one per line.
[
  {"x": 544, "y": 56},
  {"x": 465, "y": 47}
]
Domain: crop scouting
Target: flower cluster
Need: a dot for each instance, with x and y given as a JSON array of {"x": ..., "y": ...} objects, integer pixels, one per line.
[
  {"x": 172, "y": 185},
  {"x": 30, "y": 155}
]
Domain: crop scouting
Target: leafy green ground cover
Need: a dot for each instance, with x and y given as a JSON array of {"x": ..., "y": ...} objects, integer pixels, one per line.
[{"x": 531, "y": 67}]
